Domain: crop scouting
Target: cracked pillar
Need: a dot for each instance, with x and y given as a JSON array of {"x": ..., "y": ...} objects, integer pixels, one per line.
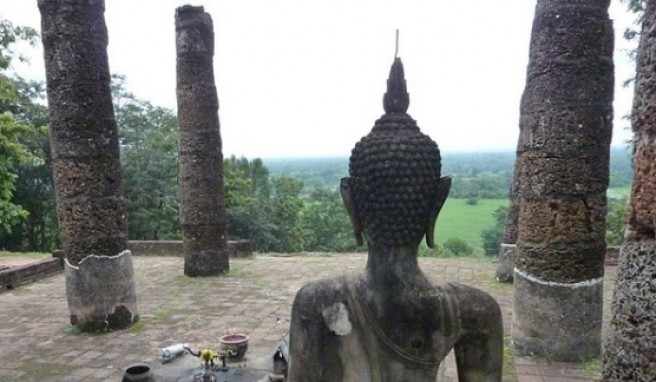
[
  {"x": 629, "y": 353},
  {"x": 202, "y": 207},
  {"x": 562, "y": 174},
  {"x": 86, "y": 166}
]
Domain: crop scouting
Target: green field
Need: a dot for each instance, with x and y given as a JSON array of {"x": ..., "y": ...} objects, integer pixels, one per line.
[
  {"x": 619, "y": 192},
  {"x": 460, "y": 220}
]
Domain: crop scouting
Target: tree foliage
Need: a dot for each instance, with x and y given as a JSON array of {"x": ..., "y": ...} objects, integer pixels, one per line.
[
  {"x": 325, "y": 223},
  {"x": 458, "y": 247},
  {"x": 34, "y": 189},
  {"x": 492, "y": 236},
  {"x": 616, "y": 220},
  {"x": 149, "y": 156}
]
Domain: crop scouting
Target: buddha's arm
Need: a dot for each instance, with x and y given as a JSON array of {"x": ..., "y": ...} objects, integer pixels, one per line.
[
  {"x": 313, "y": 351},
  {"x": 479, "y": 351}
]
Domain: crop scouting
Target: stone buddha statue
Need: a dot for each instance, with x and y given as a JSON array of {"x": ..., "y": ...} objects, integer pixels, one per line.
[{"x": 390, "y": 323}]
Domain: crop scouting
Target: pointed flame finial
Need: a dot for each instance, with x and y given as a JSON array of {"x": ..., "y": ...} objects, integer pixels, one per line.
[{"x": 397, "y": 99}]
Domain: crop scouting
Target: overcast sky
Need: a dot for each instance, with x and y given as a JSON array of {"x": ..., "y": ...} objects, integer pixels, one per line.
[{"x": 306, "y": 78}]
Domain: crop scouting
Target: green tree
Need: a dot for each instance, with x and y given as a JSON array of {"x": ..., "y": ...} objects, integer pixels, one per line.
[
  {"x": 631, "y": 33},
  {"x": 458, "y": 247},
  {"x": 325, "y": 223},
  {"x": 33, "y": 188},
  {"x": 493, "y": 235},
  {"x": 284, "y": 212},
  {"x": 149, "y": 156},
  {"x": 616, "y": 220},
  {"x": 247, "y": 193},
  {"x": 12, "y": 152}
]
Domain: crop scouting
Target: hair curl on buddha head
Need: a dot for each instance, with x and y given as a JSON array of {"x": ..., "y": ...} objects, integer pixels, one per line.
[{"x": 394, "y": 173}]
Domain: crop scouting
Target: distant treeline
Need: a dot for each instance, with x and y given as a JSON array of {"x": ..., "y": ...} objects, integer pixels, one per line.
[
  {"x": 282, "y": 205},
  {"x": 475, "y": 175}
]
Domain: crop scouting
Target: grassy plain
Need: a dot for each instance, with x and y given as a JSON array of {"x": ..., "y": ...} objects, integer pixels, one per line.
[
  {"x": 619, "y": 192},
  {"x": 461, "y": 220}
]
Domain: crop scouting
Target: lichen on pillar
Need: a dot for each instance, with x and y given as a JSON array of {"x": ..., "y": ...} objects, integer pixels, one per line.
[{"x": 562, "y": 176}]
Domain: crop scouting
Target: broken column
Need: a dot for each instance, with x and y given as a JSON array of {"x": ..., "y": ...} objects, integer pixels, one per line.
[
  {"x": 562, "y": 173},
  {"x": 629, "y": 349},
  {"x": 202, "y": 208},
  {"x": 86, "y": 166}
]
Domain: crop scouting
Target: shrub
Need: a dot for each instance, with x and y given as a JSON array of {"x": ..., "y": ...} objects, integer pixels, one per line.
[
  {"x": 458, "y": 247},
  {"x": 472, "y": 201},
  {"x": 434, "y": 252}
]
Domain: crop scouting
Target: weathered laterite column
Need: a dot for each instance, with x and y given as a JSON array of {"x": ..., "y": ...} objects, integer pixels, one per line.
[
  {"x": 202, "y": 208},
  {"x": 563, "y": 155},
  {"x": 508, "y": 247},
  {"x": 630, "y": 351},
  {"x": 86, "y": 166}
]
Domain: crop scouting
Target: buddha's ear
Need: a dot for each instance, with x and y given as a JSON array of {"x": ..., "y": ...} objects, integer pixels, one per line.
[
  {"x": 439, "y": 197},
  {"x": 349, "y": 201}
]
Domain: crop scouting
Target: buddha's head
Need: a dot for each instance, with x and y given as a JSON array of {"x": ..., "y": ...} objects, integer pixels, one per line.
[{"x": 394, "y": 192}]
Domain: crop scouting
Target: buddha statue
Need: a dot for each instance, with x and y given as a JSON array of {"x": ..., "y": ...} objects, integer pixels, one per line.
[{"x": 390, "y": 323}]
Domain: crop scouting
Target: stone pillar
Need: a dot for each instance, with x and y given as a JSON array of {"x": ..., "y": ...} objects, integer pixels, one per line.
[
  {"x": 86, "y": 162},
  {"x": 562, "y": 172},
  {"x": 510, "y": 233},
  {"x": 629, "y": 353},
  {"x": 508, "y": 248},
  {"x": 202, "y": 207},
  {"x": 506, "y": 267}
]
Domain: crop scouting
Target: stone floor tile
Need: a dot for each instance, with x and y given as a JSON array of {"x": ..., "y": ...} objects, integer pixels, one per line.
[
  {"x": 256, "y": 296},
  {"x": 530, "y": 378}
]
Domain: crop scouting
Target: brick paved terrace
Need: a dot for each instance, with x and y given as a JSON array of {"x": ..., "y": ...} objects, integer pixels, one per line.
[{"x": 38, "y": 344}]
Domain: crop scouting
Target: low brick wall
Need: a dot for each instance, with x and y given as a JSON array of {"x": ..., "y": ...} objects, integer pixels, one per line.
[
  {"x": 236, "y": 248},
  {"x": 612, "y": 255},
  {"x": 23, "y": 274},
  {"x": 156, "y": 247}
]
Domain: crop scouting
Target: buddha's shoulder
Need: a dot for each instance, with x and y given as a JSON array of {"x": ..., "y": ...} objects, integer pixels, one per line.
[{"x": 325, "y": 292}]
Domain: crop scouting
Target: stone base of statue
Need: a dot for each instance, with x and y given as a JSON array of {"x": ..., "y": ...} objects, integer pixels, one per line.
[
  {"x": 101, "y": 292},
  {"x": 506, "y": 267},
  {"x": 558, "y": 321},
  {"x": 629, "y": 349},
  {"x": 206, "y": 263}
]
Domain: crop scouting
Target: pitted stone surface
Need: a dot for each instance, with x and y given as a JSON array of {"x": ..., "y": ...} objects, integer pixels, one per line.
[
  {"x": 629, "y": 354},
  {"x": 84, "y": 142},
  {"x": 565, "y": 129},
  {"x": 394, "y": 172},
  {"x": 510, "y": 230},
  {"x": 562, "y": 174},
  {"x": 202, "y": 201},
  {"x": 642, "y": 219}
]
